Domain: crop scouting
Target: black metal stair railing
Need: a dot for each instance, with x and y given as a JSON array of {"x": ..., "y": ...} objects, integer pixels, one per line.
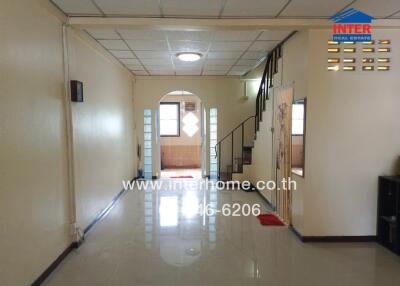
[{"x": 235, "y": 149}]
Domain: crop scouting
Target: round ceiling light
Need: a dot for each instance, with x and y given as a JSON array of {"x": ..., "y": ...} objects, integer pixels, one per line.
[{"x": 189, "y": 57}]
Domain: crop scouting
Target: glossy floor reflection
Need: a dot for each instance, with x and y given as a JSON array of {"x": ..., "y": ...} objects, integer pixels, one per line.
[
  {"x": 158, "y": 238},
  {"x": 170, "y": 173}
]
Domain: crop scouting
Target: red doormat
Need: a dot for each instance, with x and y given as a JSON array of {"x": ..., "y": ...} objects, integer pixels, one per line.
[
  {"x": 269, "y": 219},
  {"x": 182, "y": 177}
]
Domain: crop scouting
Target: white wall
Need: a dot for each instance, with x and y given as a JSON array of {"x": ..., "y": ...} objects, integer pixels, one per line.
[
  {"x": 352, "y": 138},
  {"x": 35, "y": 209},
  {"x": 34, "y": 205},
  {"x": 295, "y": 67},
  {"x": 103, "y": 129}
]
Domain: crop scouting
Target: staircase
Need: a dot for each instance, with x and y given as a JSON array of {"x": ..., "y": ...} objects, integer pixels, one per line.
[{"x": 234, "y": 151}]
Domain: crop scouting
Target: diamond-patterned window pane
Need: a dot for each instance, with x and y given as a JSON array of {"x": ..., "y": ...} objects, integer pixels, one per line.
[{"x": 190, "y": 122}]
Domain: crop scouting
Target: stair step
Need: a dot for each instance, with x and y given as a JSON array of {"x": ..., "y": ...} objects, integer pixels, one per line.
[{"x": 247, "y": 152}]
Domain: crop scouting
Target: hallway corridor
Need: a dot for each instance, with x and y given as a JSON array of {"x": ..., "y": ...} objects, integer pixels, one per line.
[
  {"x": 157, "y": 238},
  {"x": 296, "y": 96}
]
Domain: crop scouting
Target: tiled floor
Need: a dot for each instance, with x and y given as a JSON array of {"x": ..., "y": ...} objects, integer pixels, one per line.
[
  {"x": 169, "y": 173},
  {"x": 157, "y": 238}
]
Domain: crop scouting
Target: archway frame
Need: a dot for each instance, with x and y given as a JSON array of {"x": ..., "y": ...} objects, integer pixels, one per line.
[{"x": 202, "y": 128}]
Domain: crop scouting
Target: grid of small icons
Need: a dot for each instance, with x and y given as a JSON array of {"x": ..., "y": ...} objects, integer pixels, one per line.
[{"x": 364, "y": 56}]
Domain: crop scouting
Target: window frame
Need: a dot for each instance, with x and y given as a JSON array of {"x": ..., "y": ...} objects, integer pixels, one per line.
[
  {"x": 300, "y": 102},
  {"x": 178, "y": 104},
  {"x": 304, "y": 100}
]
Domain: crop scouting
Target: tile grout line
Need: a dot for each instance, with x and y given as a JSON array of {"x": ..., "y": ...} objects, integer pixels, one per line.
[
  {"x": 160, "y": 6},
  {"x": 221, "y": 11},
  {"x": 170, "y": 53},
  {"x": 98, "y": 8},
  {"x": 245, "y": 51},
  {"x": 126, "y": 43},
  {"x": 207, "y": 52},
  {"x": 391, "y": 15},
  {"x": 283, "y": 8},
  {"x": 347, "y": 6},
  {"x": 108, "y": 51}
]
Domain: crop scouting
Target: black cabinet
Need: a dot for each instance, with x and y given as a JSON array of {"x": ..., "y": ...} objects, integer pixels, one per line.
[{"x": 388, "y": 230}]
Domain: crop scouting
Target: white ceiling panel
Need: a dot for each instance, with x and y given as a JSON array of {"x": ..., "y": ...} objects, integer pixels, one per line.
[
  {"x": 147, "y": 45},
  {"x": 236, "y": 73},
  {"x": 191, "y": 65},
  {"x": 218, "y": 62},
  {"x": 229, "y": 46},
  {"x": 377, "y": 8},
  {"x": 274, "y": 35},
  {"x": 140, "y": 72},
  {"x": 77, "y": 7},
  {"x": 114, "y": 44},
  {"x": 153, "y": 54},
  {"x": 217, "y": 68},
  {"x": 155, "y": 51},
  {"x": 189, "y": 46},
  {"x": 396, "y": 16},
  {"x": 188, "y": 68},
  {"x": 244, "y": 62},
  {"x": 141, "y": 34},
  {"x": 224, "y": 55},
  {"x": 253, "y": 55},
  {"x": 165, "y": 66},
  {"x": 314, "y": 8},
  {"x": 234, "y": 36},
  {"x": 135, "y": 67},
  {"x": 204, "y": 8},
  {"x": 130, "y": 7},
  {"x": 103, "y": 34},
  {"x": 214, "y": 72},
  {"x": 241, "y": 68},
  {"x": 190, "y": 35},
  {"x": 156, "y": 62},
  {"x": 263, "y": 46},
  {"x": 130, "y": 61},
  {"x": 229, "y": 8},
  {"x": 162, "y": 72},
  {"x": 253, "y": 8},
  {"x": 123, "y": 54},
  {"x": 188, "y": 72}
]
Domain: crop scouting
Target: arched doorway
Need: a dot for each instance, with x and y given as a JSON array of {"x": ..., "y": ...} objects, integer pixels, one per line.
[{"x": 181, "y": 131}]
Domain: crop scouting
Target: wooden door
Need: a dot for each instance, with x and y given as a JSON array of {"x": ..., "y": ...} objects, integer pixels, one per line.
[{"x": 282, "y": 145}]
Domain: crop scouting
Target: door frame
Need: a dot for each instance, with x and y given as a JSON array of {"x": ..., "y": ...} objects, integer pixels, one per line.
[
  {"x": 282, "y": 199},
  {"x": 203, "y": 139}
]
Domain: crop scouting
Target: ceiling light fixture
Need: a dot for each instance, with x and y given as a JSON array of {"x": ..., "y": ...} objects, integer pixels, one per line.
[{"x": 189, "y": 57}]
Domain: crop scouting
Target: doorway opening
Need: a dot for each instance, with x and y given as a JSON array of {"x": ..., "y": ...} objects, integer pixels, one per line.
[{"x": 181, "y": 135}]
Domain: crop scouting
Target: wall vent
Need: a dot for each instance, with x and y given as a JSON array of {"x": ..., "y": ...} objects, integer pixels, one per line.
[{"x": 190, "y": 106}]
